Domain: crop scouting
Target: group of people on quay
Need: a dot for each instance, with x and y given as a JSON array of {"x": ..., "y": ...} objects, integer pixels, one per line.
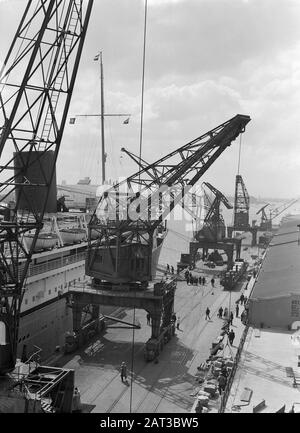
[{"x": 194, "y": 280}]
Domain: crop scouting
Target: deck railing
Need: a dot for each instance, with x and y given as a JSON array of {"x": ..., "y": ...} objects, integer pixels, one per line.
[{"x": 53, "y": 264}]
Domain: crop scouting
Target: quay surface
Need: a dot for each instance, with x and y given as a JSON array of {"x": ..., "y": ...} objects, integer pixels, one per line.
[{"x": 169, "y": 386}]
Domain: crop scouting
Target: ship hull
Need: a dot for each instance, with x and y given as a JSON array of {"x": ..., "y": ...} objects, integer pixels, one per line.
[{"x": 46, "y": 328}]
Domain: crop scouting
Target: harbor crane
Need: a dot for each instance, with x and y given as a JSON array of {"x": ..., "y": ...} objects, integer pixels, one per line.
[
  {"x": 265, "y": 222},
  {"x": 241, "y": 211},
  {"x": 126, "y": 232},
  {"x": 212, "y": 235},
  {"x": 129, "y": 213},
  {"x": 214, "y": 228},
  {"x": 241, "y": 205},
  {"x": 280, "y": 209},
  {"x": 36, "y": 85}
]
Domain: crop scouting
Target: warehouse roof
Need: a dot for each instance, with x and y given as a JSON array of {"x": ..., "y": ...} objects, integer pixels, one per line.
[{"x": 280, "y": 271}]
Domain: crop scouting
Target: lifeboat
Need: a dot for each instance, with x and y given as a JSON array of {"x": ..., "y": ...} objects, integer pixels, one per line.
[
  {"x": 73, "y": 235},
  {"x": 45, "y": 241}
]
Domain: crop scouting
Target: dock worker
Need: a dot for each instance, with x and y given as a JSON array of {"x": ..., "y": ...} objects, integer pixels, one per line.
[
  {"x": 237, "y": 310},
  {"x": 225, "y": 312},
  {"x": 178, "y": 322},
  {"x": 123, "y": 371},
  {"x": 168, "y": 268},
  {"x": 76, "y": 403},
  {"x": 221, "y": 383},
  {"x": 148, "y": 318},
  {"x": 207, "y": 312},
  {"x": 231, "y": 336},
  {"x": 231, "y": 317},
  {"x": 212, "y": 282},
  {"x": 203, "y": 281},
  {"x": 244, "y": 317},
  {"x": 242, "y": 297},
  {"x": 172, "y": 270},
  {"x": 220, "y": 312}
]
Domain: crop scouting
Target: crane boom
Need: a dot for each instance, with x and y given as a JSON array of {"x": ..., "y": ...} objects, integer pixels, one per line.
[
  {"x": 214, "y": 228},
  {"x": 128, "y": 213},
  {"x": 36, "y": 85},
  {"x": 218, "y": 194},
  {"x": 173, "y": 175},
  {"x": 192, "y": 203},
  {"x": 276, "y": 212}
]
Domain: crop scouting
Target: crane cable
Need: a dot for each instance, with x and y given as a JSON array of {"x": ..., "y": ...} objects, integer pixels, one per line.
[
  {"x": 239, "y": 160},
  {"x": 140, "y": 156},
  {"x": 238, "y": 172}
]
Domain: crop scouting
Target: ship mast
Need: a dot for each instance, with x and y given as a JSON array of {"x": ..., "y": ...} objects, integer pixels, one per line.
[
  {"x": 102, "y": 115},
  {"x": 102, "y": 120}
]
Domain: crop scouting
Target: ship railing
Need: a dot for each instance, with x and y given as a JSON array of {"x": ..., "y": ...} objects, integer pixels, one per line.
[{"x": 53, "y": 264}]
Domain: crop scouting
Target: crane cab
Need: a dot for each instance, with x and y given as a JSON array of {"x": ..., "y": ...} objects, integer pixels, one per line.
[{"x": 120, "y": 264}]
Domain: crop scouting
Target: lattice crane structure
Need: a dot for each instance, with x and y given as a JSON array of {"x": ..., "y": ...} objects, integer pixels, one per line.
[
  {"x": 37, "y": 81},
  {"x": 214, "y": 228},
  {"x": 280, "y": 209},
  {"x": 241, "y": 205},
  {"x": 129, "y": 213},
  {"x": 192, "y": 202},
  {"x": 265, "y": 222}
]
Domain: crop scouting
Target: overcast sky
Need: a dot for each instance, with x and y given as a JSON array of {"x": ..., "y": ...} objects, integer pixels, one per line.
[{"x": 206, "y": 61}]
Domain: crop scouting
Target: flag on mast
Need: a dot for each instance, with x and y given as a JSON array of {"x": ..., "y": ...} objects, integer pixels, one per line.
[
  {"x": 72, "y": 120},
  {"x": 96, "y": 58},
  {"x": 126, "y": 121}
]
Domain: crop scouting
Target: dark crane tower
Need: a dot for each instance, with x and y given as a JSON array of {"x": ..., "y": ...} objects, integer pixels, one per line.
[
  {"x": 214, "y": 228},
  {"x": 265, "y": 222},
  {"x": 129, "y": 213},
  {"x": 37, "y": 82},
  {"x": 241, "y": 205}
]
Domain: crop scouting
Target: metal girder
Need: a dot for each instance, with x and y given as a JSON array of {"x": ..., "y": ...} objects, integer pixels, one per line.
[{"x": 36, "y": 85}]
